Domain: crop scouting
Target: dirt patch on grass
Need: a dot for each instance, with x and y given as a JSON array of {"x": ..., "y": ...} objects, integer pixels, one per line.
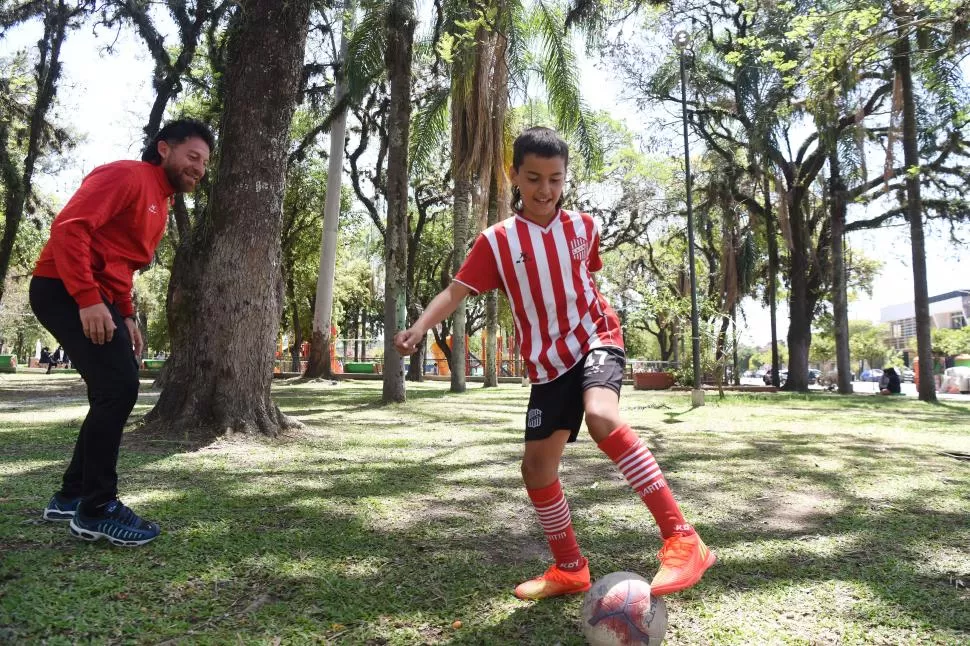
[{"x": 794, "y": 511}]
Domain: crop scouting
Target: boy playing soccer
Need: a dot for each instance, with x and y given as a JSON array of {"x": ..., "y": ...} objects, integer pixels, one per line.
[{"x": 543, "y": 258}]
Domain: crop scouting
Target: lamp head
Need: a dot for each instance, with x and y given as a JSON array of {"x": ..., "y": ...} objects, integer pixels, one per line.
[{"x": 681, "y": 38}]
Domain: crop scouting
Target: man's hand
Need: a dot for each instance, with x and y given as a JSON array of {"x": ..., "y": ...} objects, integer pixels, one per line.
[
  {"x": 135, "y": 335},
  {"x": 407, "y": 341},
  {"x": 97, "y": 323}
]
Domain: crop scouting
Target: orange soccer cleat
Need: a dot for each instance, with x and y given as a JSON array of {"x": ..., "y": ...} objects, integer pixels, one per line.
[
  {"x": 683, "y": 561},
  {"x": 555, "y": 582}
]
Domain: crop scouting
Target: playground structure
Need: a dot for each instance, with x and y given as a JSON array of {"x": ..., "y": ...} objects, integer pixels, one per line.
[
  {"x": 366, "y": 356},
  {"x": 508, "y": 363},
  {"x": 351, "y": 358}
]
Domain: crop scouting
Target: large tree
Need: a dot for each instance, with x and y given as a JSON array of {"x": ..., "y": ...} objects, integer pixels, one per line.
[
  {"x": 29, "y": 122},
  {"x": 227, "y": 285},
  {"x": 400, "y": 42},
  {"x": 322, "y": 339}
]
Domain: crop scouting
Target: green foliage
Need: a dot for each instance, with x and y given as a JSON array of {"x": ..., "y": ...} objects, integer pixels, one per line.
[
  {"x": 19, "y": 328},
  {"x": 560, "y": 76},
  {"x": 365, "y": 55},
  {"x": 867, "y": 342},
  {"x": 151, "y": 289},
  {"x": 303, "y": 207},
  {"x": 823, "y": 348},
  {"x": 951, "y": 342},
  {"x": 763, "y": 357}
]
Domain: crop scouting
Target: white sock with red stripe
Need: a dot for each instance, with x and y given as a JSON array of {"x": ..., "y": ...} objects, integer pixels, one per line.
[
  {"x": 642, "y": 472},
  {"x": 557, "y": 523}
]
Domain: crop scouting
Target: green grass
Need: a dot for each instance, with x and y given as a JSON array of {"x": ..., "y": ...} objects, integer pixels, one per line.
[{"x": 835, "y": 521}]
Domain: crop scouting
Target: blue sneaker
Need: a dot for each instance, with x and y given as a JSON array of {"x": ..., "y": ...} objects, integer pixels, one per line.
[
  {"x": 119, "y": 524},
  {"x": 59, "y": 509}
]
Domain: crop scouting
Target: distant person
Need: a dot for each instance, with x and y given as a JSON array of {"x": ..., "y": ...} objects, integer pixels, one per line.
[
  {"x": 58, "y": 356},
  {"x": 81, "y": 292},
  {"x": 889, "y": 383},
  {"x": 45, "y": 358},
  {"x": 544, "y": 258}
]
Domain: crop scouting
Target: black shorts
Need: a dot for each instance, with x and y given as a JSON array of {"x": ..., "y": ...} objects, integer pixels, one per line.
[{"x": 558, "y": 404}]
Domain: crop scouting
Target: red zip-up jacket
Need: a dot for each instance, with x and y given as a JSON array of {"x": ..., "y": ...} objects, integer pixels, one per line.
[{"x": 108, "y": 230}]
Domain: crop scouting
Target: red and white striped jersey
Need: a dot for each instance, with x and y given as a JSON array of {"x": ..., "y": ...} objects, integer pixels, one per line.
[{"x": 546, "y": 272}]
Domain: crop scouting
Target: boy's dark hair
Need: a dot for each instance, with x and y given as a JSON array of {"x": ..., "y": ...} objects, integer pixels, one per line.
[
  {"x": 542, "y": 142},
  {"x": 175, "y": 132}
]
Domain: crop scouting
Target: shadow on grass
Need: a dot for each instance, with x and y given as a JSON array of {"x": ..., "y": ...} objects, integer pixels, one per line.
[{"x": 356, "y": 540}]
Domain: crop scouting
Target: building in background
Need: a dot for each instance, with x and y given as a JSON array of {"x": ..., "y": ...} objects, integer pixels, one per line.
[{"x": 947, "y": 311}]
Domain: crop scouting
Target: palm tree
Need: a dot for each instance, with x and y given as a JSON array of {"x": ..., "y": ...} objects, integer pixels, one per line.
[
  {"x": 902, "y": 65},
  {"x": 321, "y": 341},
  {"x": 499, "y": 45}
]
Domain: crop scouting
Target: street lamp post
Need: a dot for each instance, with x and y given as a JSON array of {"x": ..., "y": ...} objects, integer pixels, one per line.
[{"x": 682, "y": 41}]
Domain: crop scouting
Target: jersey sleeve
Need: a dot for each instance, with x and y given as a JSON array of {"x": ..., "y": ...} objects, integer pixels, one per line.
[{"x": 480, "y": 271}]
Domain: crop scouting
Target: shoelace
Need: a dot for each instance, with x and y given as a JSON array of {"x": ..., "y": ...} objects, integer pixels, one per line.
[
  {"x": 675, "y": 553},
  {"x": 126, "y": 515}
]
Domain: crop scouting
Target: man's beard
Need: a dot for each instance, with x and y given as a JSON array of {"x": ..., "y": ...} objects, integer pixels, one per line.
[{"x": 179, "y": 182}]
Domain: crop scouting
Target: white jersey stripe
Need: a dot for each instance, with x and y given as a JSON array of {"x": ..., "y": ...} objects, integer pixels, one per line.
[
  {"x": 528, "y": 304},
  {"x": 551, "y": 305},
  {"x": 511, "y": 288}
]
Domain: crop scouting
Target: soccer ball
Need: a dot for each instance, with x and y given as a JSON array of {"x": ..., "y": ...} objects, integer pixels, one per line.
[{"x": 619, "y": 610}]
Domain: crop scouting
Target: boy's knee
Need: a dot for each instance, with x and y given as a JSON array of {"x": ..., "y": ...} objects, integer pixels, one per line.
[
  {"x": 602, "y": 420},
  {"x": 536, "y": 469}
]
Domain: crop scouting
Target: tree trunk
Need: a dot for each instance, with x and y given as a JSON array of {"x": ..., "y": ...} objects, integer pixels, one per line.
[
  {"x": 497, "y": 191},
  {"x": 840, "y": 301},
  {"x": 322, "y": 339},
  {"x": 416, "y": 363},
  {"x": 772, "y": 278},
  {"x": 400, "y": 37},
  {"x": 18, "y": 185},
  {"x": 491, "y": 303},
  {"x": 734, "y": 346},
  {"x": 902, "y": 51},
  {"x": 460, "y": 237},
  {"x": 297, "y": 327},
  {"x": 800, "y": 305},
  {"x": 227, "y": 289}
]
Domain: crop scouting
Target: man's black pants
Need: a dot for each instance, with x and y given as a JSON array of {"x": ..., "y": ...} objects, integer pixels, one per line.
[{"x": 111, "y": 374}]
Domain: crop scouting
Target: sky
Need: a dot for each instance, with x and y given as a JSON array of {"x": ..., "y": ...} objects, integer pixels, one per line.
[{"x": 105, "y": 98}]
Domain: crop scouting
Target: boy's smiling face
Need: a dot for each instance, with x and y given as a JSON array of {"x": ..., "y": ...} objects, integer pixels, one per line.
[{"x": 540, "y": 181}]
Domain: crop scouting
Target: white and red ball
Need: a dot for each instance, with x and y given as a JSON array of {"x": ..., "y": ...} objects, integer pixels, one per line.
[{"x": 618, "y": 610}]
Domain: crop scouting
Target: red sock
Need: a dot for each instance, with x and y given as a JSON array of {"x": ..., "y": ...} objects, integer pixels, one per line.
[
  {"x": 640, "y": 469},
  {"x": 557, "y": 523}
]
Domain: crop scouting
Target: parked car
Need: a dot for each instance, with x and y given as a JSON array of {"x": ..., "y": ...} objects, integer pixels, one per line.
[
  {"x": 830, "y": 380},
  {"x": 872, "y": 374},
  {"x": 813, "y": 376},
  {"x": 782, "y": 377},
  {"x": 956, "y": 380}
]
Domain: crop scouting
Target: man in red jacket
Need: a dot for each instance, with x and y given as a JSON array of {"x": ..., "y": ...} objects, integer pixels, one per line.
[{"x": 81, "y": 292}]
